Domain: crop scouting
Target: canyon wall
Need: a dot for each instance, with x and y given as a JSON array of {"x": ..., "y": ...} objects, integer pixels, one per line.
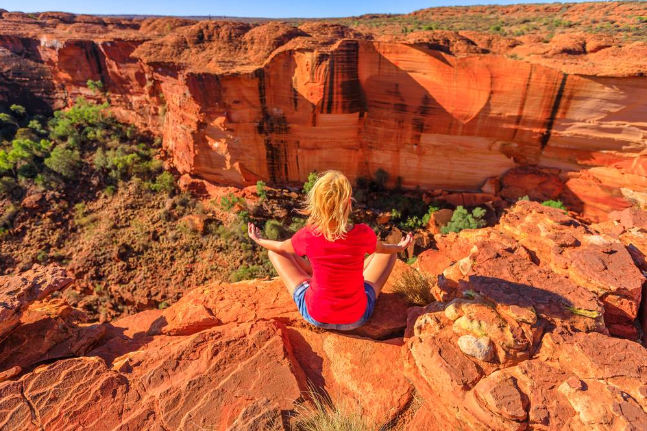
[{"x": 436, "y": 115}]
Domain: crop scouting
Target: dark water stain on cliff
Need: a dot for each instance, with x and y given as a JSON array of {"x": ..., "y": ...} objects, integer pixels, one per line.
[
  {"x": 553, "y": 112},
  {"x": 269, "y": 125}
]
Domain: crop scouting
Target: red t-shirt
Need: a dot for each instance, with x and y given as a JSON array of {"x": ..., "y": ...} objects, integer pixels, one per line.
[{"x": 336, "y": 293}]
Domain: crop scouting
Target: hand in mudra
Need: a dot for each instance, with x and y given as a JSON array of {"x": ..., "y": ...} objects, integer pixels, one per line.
[
  {"x": 405, "y": 241},
  {"x": 253, "y": 232}
]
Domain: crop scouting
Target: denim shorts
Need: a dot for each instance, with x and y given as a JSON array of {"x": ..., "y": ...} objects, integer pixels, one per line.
[{"x": 300, "y": 298}]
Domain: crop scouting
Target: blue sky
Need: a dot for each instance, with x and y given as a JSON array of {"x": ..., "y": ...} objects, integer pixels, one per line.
[{"x": 247, "y": 8}]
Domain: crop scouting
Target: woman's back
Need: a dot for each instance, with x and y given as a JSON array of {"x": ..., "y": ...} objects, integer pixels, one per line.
[{"x": 336, "y": 293}]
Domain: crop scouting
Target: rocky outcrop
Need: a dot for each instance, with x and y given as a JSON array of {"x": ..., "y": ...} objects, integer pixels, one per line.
[
  {"x": 324, "y": 96},
  {"x": 584, "y": 277},
  {"x": 519, "y": 340},
  {"x": 520, "y": 337},
  {"x": 17, "y": 293}
]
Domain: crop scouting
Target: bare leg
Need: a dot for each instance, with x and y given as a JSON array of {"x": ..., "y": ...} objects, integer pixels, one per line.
[
  {"x": 378, "y": 269},
  {"x": 303, "y": 263},
  {"x": 291, "y": 268},
  {"x": 368, "y": 260}
]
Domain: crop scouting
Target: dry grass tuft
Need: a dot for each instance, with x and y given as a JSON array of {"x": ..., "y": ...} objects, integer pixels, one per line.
[
  {"x": 322, "y": 415},
  {"x": 415, "y": 287}
]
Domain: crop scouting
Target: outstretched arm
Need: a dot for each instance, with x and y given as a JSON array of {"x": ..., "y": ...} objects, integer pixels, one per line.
[
  {"x": 383, "y": 248},
  {"x": 276, "y": 246}
]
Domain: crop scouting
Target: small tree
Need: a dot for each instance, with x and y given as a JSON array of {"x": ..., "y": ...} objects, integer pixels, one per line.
[
  {"x": 381, "y": 177},
  {"x": 64, "y": 162},
  {"x": 463, "y": 219}
]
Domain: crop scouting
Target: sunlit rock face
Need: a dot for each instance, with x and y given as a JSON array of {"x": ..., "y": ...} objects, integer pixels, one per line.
[{"x": 236, "y": 103}]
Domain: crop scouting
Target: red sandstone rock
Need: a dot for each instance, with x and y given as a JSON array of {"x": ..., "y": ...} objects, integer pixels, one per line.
[
  {"x": 175, "y": 382},
  {"x": 17, "y": 292},
  {"x": 537, "y": 184},
  {"x": 600, "y": 264},
  {"x": 251, "y": 300},
  {"x": 48, "y": 331},
  {"x": 543, "y": 391},
  {"x": 354, "y": 371}
]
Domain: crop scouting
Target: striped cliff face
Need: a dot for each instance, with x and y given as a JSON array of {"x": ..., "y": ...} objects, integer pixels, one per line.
[{"x": 433, "y": 117}]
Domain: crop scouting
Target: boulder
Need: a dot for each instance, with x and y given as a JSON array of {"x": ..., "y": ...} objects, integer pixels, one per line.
[
  {"x": 182, "y": 382},
  {"x": 355, "y": 372},
  {"x": 223, "y": 303},
  {"x": 47, "y": 331},
  {"x": 537, "y": 183},
  {"x": 554, "y": 387},
  {"x": 599, "y": 263},
  {"x": 17, "y": 292}
]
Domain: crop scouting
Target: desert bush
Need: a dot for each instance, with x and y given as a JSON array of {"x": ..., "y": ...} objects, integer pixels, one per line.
[
  {"x": 18, "y": 110},
  {"x": 555, "y": 204},
  {"x": 8, "y": 186},
  {"x": 227, "y": 202},
  {"x": 296, "y": 224},
  {"x": 73, "y": 125},
  {"x": 246, "y": 273},
  {"x": 95, "y": 86},
  {"x": 463, "y": 219},
  {"x": 260, "y": 189},
  {"x": 274, "y": 230},
  {"x": 64, "y": 161},
  {"x": 309, "y": 184},
  {"x": 164, "y": 182},
  {"x": 8, "y": 215},
  {"x": 415, "y": 287}
]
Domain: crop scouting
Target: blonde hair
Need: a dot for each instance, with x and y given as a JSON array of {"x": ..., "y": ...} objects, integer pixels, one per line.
[{"x": 328, "y": 205}]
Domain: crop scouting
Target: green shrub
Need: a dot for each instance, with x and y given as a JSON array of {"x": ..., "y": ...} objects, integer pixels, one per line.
[
  {"x": 42, "y": 256},
  {"x": 296, "y": 224},
  {"x": 228, "y": 202},
  {"x": 110, "y": 190},
  {"x": 8, "y": 186},
  {"x": 37, "y": 127},
  {"x": 312, "y": 179},
  {"x": 555, "y": 204},
  {"x": 463, "y": 219},
  {"x": 73, "y": 125},
  {"x": 18, "y": 110},
  {"x": 246, "y": 273},
  {"x": 274, "y": 230},
  {"x": 95, "y": 86},
  {"x": 523, "y": 198},
  {"x": 64, "y": 161},
  {"x": 260, "y": 189},
  {"x": 164, "y": 183},
  {"x": 427, "y": 217}
]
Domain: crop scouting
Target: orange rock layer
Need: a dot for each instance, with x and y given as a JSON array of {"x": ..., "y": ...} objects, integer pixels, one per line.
[{"x": 236, "y": 103}]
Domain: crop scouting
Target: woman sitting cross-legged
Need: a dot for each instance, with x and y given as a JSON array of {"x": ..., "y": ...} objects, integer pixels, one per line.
[{"x": 336, "y": 287}]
